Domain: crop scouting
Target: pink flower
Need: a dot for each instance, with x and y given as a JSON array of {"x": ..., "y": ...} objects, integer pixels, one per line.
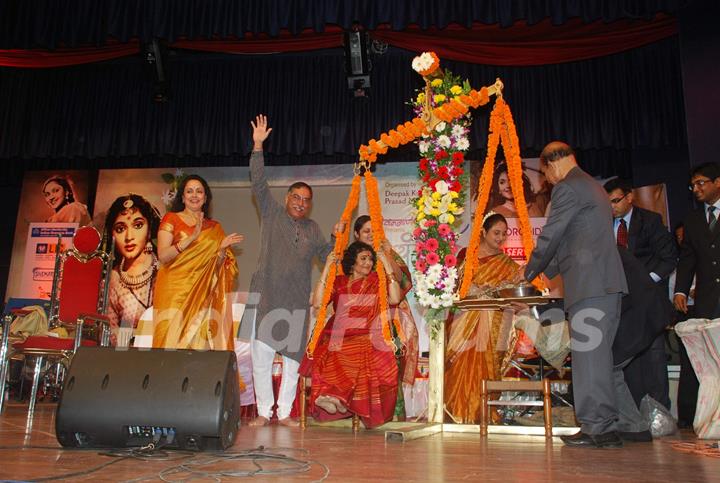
[
  {"x": 429, "y": 223},
  {"x": 432, "y": 258},
  {"x": 419, "y": 246},
  {"x": 420, "y": 266},
  {"x": 450, "y": 261},
  {"x": 443, "y": 229},
  {"x": 431, "y": 244},
  {"x": 417, "y": 232}
]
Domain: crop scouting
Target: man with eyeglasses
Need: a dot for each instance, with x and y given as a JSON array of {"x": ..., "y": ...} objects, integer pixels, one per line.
[
  {"x": 642, "y": 233},
  {"x": 289, "y": 242},
  {"x": 700, "y": 249}
]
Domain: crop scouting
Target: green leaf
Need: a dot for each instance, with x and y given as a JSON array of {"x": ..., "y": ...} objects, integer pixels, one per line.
[{"x": 168, "y": 177}]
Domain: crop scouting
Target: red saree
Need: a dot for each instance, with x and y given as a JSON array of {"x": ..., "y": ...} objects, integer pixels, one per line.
[{"x": 351, "y": 361}]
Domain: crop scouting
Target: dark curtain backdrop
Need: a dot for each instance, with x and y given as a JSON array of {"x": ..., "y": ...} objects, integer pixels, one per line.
[
  {"x": 26, "y": 24},
  {"x": 104, "y": 111}
]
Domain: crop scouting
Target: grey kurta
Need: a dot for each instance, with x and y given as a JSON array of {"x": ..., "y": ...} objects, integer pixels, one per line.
[{"x": 283, "y": 275}]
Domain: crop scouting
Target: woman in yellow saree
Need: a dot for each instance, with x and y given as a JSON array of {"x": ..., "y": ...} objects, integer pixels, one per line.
[
  {"x": 474, "y": 348},
  {"x": 198, "y": 268}
]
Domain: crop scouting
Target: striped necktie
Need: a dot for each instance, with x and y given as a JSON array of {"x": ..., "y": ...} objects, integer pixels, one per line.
[{"x": 712, "y": 219}]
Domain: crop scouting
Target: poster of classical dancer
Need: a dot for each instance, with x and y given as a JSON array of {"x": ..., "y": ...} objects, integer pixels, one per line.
[{"x": 56, "y": 200}]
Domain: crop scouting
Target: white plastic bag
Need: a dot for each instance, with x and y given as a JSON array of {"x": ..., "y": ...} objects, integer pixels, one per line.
[{"x": 661, "y": 421}]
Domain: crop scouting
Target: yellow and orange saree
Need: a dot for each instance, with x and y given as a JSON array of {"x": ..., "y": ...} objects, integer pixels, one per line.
[
  {"x": 189, "y": 307},
  {"x": 474, "y": 349}
]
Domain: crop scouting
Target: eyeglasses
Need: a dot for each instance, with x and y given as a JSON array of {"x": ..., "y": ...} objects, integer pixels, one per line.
[
  {"x": 615, "y": 201},
  {"x": 300, "y": 199},
  {"x": 698, "y": 184}
]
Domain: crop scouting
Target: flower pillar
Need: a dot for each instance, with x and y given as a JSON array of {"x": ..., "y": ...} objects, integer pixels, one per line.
[{"x": 442, "y": 123}]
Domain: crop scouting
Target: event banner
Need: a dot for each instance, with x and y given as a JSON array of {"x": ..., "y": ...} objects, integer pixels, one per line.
[
  {"x": 47, "y": 197},
  {"x": 41, "y": 247}
]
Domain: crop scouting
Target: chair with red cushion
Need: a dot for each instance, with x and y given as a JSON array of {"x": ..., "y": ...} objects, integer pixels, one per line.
[{"x": 78, "y": 301}]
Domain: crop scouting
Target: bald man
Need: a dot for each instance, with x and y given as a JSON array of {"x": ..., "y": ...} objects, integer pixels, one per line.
[{"x": 578, "y": 243}]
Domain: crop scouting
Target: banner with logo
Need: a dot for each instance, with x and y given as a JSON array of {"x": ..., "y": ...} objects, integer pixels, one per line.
[{"x": 40, "y": 250}]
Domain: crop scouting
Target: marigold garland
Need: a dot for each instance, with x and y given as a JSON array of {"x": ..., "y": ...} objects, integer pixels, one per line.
[
  {"x": 376, "y": 221},
  {"x": 341, "y": 242},
  {"x": 502, "y": 130},
  {"x": 442, "y": 120}
]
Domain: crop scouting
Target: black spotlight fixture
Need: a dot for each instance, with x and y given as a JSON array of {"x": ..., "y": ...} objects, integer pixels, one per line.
[
  {"x": 155, "y": 56},
  {"x": 357, "y": 62}
]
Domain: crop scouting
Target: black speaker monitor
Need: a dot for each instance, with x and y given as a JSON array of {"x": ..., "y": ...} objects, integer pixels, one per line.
[{"x": 122, "y": 398}]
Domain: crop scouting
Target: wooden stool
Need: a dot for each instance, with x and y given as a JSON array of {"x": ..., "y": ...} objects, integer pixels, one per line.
[
  {"x": 303, "y": 408},
  {"x": 487, "y": 387}
]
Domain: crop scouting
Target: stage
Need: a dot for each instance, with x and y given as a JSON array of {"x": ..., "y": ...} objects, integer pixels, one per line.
[{"x": 30, "y": 452}]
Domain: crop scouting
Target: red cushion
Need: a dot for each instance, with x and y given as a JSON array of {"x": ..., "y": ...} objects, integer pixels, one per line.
[
  {"x": 52, "y": 343},
  {"x": 86, "y": 239},
  {"x": 80, "y": 289}
]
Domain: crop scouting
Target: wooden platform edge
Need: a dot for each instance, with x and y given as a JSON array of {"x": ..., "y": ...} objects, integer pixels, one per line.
[{"x": 410, "y": 431}]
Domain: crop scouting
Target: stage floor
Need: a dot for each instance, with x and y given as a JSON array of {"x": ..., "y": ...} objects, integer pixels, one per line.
[{"x": 29, "y": 452}]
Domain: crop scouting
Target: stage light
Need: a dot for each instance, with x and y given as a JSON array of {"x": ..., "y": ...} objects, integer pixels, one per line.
[
  {"x": 155, "y": 59},
  {"x": 357, "y": 62}
]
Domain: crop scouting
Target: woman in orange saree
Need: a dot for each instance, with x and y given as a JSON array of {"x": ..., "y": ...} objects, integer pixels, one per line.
[
  {"x": 353, "y": 370},
  {"x": 198, "y": 268},
  {"x": 474, "y": 348}
]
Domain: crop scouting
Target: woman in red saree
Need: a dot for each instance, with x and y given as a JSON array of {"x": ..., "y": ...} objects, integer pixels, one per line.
[
  {"x": 353, "y": 370},
  {"x": 407, "y": 356},
  {"x": 472, "y": 352}
]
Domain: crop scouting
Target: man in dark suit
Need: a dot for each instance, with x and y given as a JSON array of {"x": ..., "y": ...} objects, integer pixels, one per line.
[
  {"x": 643, "y": 234},
  {"x": 700, "y": 249},
  {"x": 699, "y": 258},
  {"x": 577, "y": 242}
]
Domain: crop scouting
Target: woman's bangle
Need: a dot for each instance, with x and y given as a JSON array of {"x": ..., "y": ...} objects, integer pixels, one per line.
[{"x": 176, "y": 245}]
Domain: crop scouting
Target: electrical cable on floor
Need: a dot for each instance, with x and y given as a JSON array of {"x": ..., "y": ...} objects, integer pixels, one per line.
[
  {"x": 700, "y": 448},
  {"x": 196, "y": 468},
  {"x": 194, "y": 465}
]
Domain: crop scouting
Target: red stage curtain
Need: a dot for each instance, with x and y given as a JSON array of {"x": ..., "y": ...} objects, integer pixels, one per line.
[
  {"x": 65, "y": 57},
  {"x": 538, "y": 44},
  {"x": 519, "y": 45}
]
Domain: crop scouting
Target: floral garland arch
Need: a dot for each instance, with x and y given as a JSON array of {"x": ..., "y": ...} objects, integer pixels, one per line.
[{"x": 442, "y": 122}]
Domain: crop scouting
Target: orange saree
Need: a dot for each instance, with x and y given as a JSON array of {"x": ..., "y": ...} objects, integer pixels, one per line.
[
  {"x": 189, "y": 307},
  {"x": 474, "y": 350}
]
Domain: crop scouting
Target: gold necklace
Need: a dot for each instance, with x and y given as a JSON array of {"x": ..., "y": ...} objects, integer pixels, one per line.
[{"x": 137, "y": 281}]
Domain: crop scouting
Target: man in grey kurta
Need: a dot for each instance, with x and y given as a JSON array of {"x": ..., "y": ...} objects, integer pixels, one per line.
[{"x": 289, "y": 242}]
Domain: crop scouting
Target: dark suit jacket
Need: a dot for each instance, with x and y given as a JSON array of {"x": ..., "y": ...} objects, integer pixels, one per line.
[
  {"x": 577, "y": 241},
  {"x": 700, "y": 257},
  {"x": 646, "y": 310},
  {"x": 651, "y": 243}
]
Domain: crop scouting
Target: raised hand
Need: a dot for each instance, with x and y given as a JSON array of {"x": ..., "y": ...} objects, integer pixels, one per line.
[
  {"x": 386, "y": 247},
  {"x": 231, "y": 239},
  {"x": 330, "y": 258},
  {"x": 339, "y": 227},
  {"x": 260, "y": 131}
]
